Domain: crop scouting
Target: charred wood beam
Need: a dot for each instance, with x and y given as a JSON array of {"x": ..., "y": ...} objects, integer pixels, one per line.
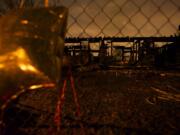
[
  {"x": 77, "y": 40},
  {"x": 123, "y": 39}
]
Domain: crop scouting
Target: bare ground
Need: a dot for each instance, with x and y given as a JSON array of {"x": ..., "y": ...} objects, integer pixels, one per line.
[{"x": 113, "y": 102}]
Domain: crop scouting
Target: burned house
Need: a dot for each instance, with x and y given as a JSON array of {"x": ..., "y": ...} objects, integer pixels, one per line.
[
  {"x": 168, "y": 55},
  {"x": 124, "y": 51}
]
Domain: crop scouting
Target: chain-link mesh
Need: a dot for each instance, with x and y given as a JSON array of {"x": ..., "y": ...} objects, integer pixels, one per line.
[{"x": 122, "y": 17}]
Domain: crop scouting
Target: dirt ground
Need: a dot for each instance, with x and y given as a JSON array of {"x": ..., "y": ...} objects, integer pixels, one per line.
[{"x": 112, "y": 102}]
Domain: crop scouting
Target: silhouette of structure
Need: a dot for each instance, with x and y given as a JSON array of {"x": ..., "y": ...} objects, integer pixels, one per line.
[{"x": 125, "y": 51}]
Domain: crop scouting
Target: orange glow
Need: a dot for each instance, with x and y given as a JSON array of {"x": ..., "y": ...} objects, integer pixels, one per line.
[
  {"x": 46, "y": 3},
  {"x": 32, "y": 87},
  {"x": 1, "y": 66},
  {"x": 27, "y": 67},
  {"x": 20, "y": 54},
  {"x": 24, "y": 22},
  {"x": 17, "y": 58}
]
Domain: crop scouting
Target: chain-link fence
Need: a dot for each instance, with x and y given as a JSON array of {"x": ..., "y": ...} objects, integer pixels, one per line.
[{"x": 122, "y": 17}]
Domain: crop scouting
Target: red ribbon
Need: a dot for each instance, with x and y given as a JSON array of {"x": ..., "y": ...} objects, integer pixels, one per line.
[{"x": 60, "y": 102}]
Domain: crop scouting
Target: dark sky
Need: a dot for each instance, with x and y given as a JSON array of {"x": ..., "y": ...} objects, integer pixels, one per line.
[{"x": 120, "y": 17}]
